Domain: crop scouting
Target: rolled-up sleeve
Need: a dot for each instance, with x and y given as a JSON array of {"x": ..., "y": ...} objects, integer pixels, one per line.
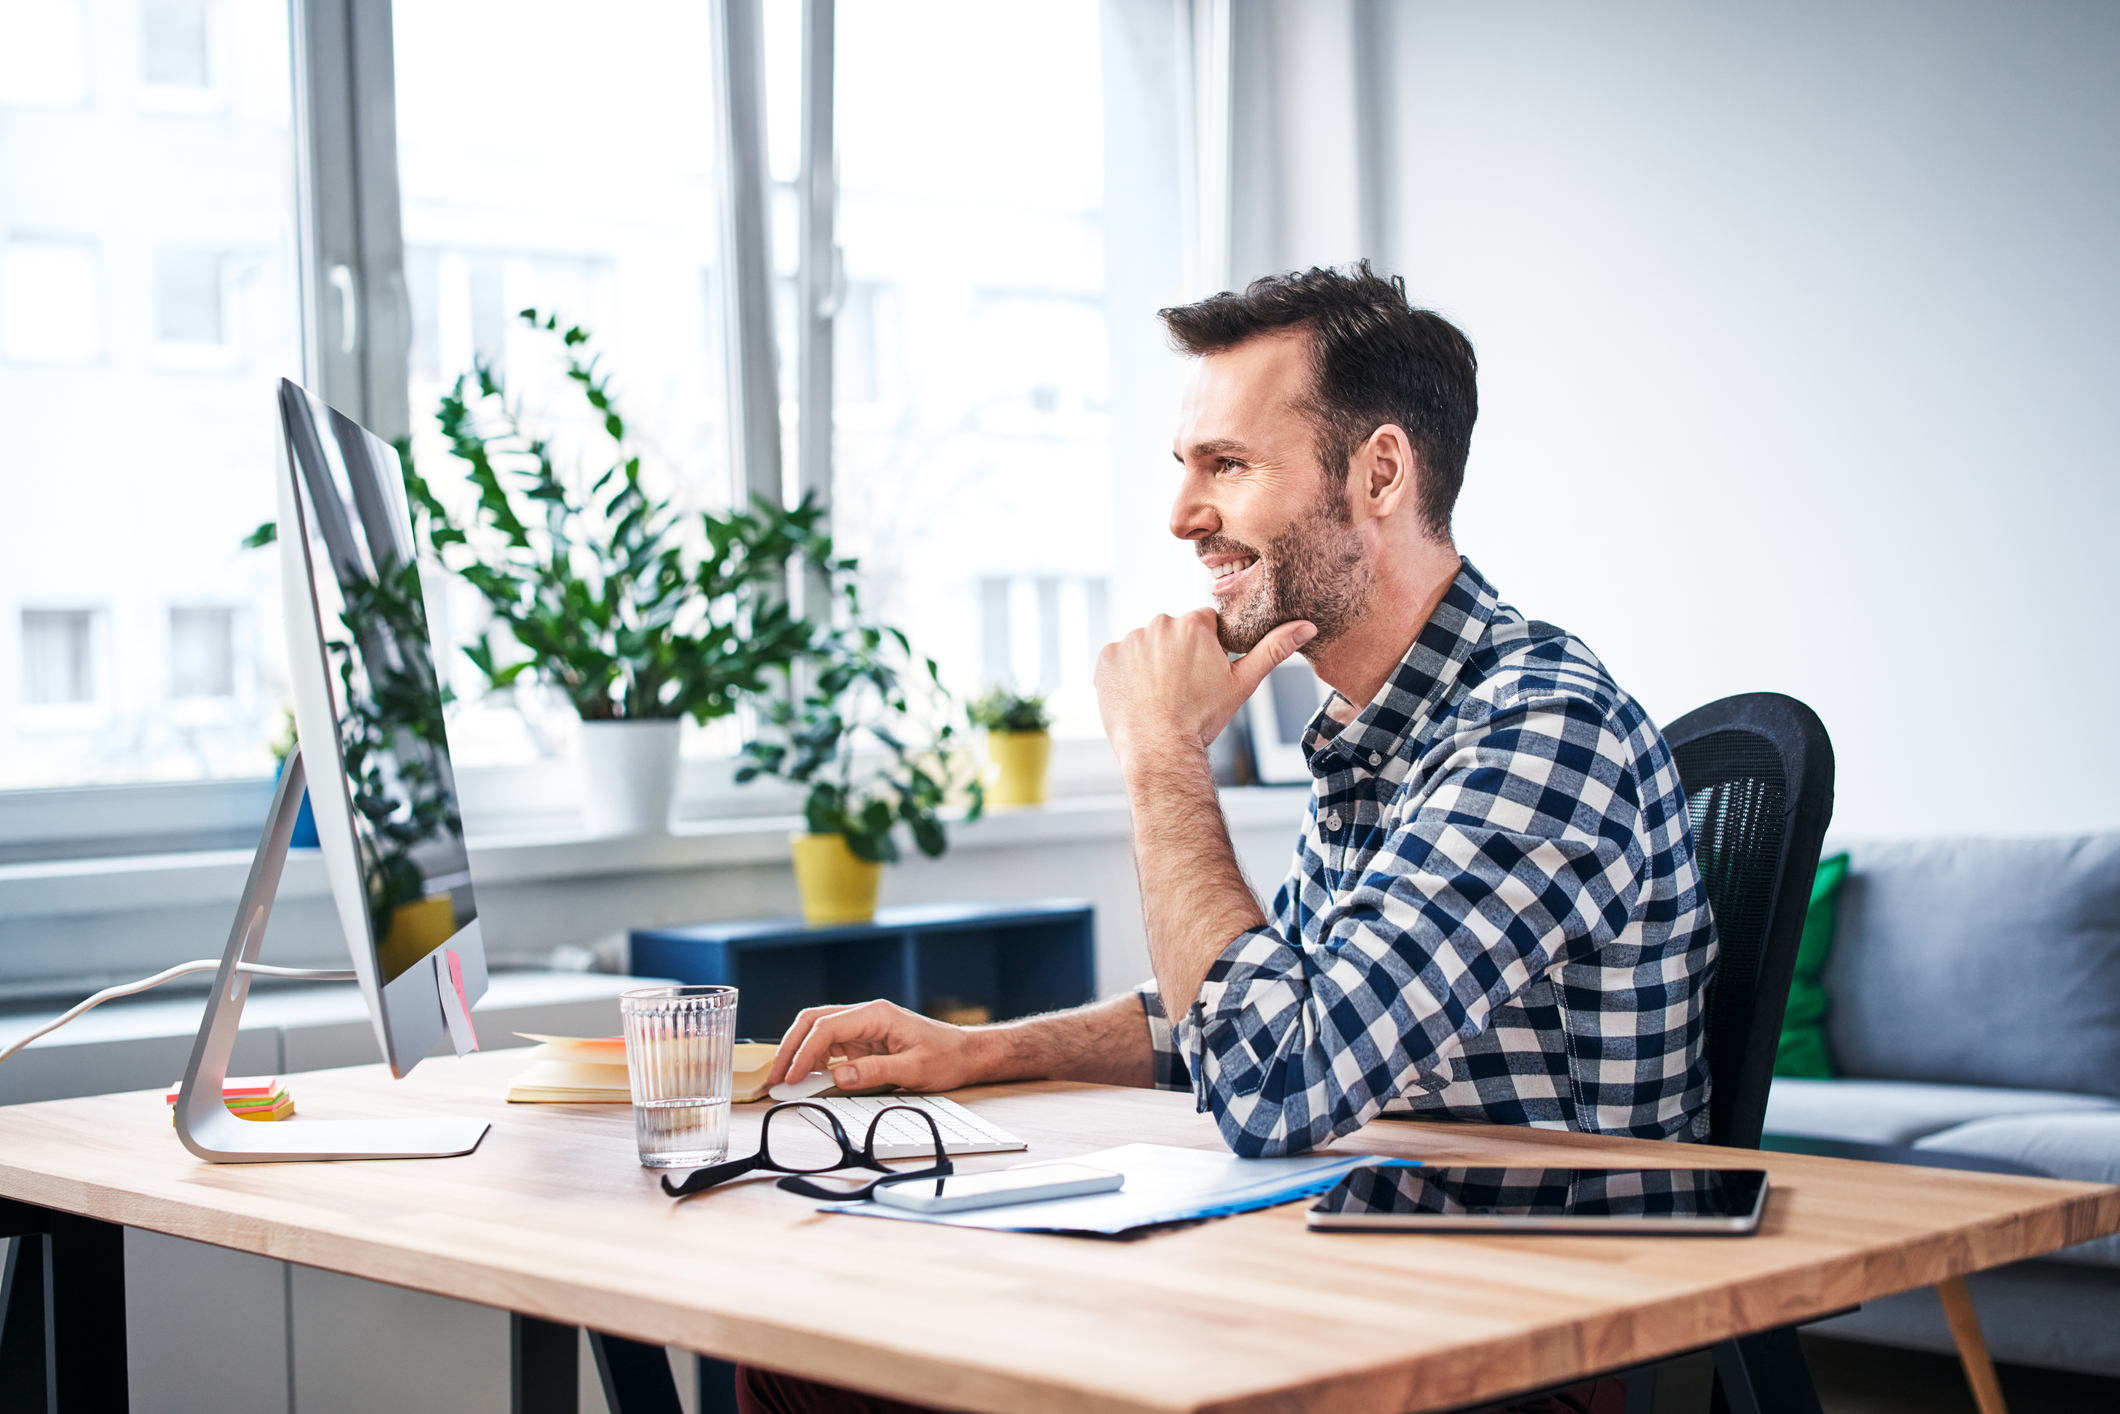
[
  {"x": 1523, "y": 851},
  {"x": 1170, "y": 1071}
]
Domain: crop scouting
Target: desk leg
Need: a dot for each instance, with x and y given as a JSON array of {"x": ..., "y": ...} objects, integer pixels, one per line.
[
  {"x": 22, "y": 1325},
  {"x": 1764, "y": 1374},
  {"x": 544, "y": 1372},
  {"x": 636, "y": 1377},
  {"x": 81, "y": 1303}
]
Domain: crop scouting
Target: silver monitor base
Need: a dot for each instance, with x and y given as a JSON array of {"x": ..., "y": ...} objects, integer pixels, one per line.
[{"x": 203, "y": 1122}]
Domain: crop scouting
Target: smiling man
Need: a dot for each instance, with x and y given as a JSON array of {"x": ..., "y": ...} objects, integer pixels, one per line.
[{"x": 1494, "y": 911}]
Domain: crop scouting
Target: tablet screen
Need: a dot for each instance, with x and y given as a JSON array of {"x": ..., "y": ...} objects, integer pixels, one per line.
[{"x": 1542, "y": 1197}]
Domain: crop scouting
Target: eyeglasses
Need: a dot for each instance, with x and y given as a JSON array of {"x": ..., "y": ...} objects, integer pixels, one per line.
[{"x": 799, "y": 1182}]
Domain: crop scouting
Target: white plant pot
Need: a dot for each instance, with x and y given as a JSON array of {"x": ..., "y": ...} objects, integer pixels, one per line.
[{"x": 628, "y": 774}]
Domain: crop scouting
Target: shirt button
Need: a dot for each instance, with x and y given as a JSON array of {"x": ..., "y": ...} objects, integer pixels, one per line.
[
  {"x": 1332, "y": 821},
  {"x": 1375, "y": 760}
]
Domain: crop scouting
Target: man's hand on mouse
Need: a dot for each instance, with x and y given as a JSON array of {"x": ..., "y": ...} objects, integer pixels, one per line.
[
  {"x": 882, "y": 1044},
  {"x": 1169, "y": 682}
]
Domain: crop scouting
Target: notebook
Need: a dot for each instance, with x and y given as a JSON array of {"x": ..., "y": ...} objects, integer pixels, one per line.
[{"x": 591, "y": 1070}]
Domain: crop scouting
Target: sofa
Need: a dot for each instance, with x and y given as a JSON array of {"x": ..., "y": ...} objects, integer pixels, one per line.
[{"x": 1973, "y": 1008}]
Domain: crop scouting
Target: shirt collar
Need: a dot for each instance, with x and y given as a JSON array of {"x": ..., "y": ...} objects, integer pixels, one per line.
[{"x": 1421, "y": 683}]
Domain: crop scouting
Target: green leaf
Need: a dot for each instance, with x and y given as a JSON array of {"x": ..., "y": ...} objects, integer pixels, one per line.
[{"x": 264, "y": 535}]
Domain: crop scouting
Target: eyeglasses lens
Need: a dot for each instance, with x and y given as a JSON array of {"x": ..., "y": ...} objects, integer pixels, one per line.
[{"x": 798, "y": 1146}]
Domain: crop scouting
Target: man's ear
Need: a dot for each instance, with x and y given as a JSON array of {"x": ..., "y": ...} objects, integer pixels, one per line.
[{"x": 1388, "y": 471}]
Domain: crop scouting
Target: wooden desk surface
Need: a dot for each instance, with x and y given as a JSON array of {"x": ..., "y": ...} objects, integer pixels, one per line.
[{"x": 553, "y": 1217}]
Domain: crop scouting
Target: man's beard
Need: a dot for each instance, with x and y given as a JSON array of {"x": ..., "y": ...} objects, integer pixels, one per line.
[{"x": 1315, "y": 569}]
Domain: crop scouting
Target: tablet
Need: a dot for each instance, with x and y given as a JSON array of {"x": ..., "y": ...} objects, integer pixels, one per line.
[{"x": 1725, "y": 1202}]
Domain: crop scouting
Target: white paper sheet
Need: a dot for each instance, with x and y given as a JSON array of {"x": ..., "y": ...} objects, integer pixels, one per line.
[{"x": 1163, "y": 1185}]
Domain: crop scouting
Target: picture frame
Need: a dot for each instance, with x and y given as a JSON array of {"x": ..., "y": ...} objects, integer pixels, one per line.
[{"x": 1278, "y": 714}]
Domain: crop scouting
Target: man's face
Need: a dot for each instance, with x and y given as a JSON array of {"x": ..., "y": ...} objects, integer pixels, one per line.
[{"x": 1265, "y": 518}]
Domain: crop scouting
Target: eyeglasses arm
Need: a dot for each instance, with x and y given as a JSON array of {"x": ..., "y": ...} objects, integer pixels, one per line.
[{"x": 700, "y": 1180}]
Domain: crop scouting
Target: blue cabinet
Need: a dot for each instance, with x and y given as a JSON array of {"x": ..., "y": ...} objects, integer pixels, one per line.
[{"x": 1014, "y": 959}]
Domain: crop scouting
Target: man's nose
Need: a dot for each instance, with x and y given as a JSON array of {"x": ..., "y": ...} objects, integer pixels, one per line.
[{"x": 1193, "y": 516}]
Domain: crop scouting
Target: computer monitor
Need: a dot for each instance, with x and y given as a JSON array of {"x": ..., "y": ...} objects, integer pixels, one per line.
[
  {"x": 374, "y": 753},
  {"x": 368, "y": 713}
]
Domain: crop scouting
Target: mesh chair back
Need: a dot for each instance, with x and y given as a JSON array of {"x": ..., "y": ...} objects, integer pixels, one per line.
[{"x": 1758, "y": 775}]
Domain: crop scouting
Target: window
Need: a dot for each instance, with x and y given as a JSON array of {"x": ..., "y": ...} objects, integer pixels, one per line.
[
  {"x": 43, "y": 53},
  {"x": 58, "y": 663},
  {"x": 141, "y": 250},
  {"x": 972, "y": 466},
  {"x": 150, "y": 281},
  {"x": 173, "y": 44},
  {"x": 188, "y": 296},
  {"x": 600, "y": 209},
  {"x": 202, "y": 653},
  {"x": 50, "y": 302}
]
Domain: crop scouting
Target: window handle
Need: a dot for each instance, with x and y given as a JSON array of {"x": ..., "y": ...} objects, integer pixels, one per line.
[{"x": 341, "y": 278}]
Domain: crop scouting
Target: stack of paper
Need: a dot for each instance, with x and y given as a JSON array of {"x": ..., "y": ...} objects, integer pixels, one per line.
[
  {"x": 591, "y": 1070},
  {"x": 1163, "y": 1185},
  {"x": 259, "y": 1097}
]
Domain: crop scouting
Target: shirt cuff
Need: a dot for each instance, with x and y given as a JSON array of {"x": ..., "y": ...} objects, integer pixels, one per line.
[
  {"x": 1222, "y": 1041},
  {"x": 1170, "y": 1071}
]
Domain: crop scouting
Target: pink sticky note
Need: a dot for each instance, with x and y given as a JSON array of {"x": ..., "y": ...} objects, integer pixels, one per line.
[{"x": 456, "y": 980}]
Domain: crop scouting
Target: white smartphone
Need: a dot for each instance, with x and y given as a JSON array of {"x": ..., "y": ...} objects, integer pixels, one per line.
[{"x": 1026, "y": 1183}]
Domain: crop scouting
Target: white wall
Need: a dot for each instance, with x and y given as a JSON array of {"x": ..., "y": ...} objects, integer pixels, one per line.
[{"x": 1799, "y": 329}]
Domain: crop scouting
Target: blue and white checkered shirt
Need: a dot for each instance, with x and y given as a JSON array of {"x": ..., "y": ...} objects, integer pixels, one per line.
[{"x": 1494, "y": 912}]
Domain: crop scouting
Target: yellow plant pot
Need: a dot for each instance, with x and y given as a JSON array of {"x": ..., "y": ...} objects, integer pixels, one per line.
[
  {"x": 837, "y": 885},
  {"x": 416, "y": 929},
  {"x": 1022, "y": 758}
]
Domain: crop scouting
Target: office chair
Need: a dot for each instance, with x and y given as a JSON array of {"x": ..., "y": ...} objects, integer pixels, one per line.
[
  {"x": 1757, "y": 770},
  {"x": 1758, "y": 850},
  {"x": 1758, "y": 775}
]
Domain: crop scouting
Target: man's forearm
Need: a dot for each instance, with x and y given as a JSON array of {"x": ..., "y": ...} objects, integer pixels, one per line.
[
  {"x": 1193, "y": 896},
  {"x": 1104, "y": 1043}
]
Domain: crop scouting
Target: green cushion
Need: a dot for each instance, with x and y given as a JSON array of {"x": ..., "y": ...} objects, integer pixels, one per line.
[{"x": 1803, "y": 1049}]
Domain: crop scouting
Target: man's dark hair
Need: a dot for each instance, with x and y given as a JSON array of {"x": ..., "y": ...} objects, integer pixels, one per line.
[{"x": 1373, "y": 358}]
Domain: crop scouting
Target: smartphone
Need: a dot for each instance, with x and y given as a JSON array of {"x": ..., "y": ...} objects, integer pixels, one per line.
[{"x": 1026, "y": 1183}]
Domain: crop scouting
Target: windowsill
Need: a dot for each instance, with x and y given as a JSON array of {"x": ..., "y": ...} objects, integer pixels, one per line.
[{"x": 49, "y": 888}]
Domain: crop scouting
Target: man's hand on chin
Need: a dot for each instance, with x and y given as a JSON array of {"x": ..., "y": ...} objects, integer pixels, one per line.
[
  {"x": 1168, "y": 687},
  {"x": 1165, "y": 691}
]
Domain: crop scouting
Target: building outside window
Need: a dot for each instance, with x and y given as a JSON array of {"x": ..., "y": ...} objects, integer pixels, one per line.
[
  {"x": 146, "y": 315},
  {"x": 173, "y": 44},
  {"x": 202, "y": 653},
  {"x": 148, "y": 304},
  {"x": 972, "y": 471},
  {"x": 58, "y": 657},
  {"x": 188, "y": 296}
]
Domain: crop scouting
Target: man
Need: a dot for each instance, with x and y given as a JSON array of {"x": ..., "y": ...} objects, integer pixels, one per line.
[{"x": 1494, "y": 911}]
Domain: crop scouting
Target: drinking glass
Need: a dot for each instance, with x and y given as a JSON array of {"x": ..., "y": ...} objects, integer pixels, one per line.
[{"x": 680, "y": 1057}]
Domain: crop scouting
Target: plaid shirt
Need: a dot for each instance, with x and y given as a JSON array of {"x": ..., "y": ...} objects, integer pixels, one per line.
[{"x": 1493, "y": 913}]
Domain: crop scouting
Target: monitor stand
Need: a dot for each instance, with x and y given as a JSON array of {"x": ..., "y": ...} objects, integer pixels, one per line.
[{"x": 203, "y": 1122}]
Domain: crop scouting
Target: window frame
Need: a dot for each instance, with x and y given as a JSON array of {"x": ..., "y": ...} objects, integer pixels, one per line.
[{"x": 356, "y": 337}]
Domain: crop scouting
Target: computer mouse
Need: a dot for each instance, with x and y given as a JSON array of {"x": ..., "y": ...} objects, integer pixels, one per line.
[{"x": 815, "y": 1083}]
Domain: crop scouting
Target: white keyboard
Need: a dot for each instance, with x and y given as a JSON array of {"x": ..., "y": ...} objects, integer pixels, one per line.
[{"x": 904, "y": 1137}]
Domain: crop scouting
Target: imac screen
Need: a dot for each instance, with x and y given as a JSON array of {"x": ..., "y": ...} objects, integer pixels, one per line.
[{"x": 383, "y": 694}]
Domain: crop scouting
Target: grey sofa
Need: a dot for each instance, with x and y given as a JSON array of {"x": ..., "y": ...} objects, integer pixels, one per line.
[{"x": 1975, "y": 991}]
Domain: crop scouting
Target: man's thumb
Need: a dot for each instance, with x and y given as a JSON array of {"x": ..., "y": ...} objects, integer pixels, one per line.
[
  {"x": 1271, "y": 652},
  {"x": 867, "y": 1073}
]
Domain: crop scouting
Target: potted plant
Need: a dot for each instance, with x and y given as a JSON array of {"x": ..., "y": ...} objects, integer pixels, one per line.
[
  {"x": 866, "y": 728},
  {"x": 1019, "y": 742},
  {"x": 641, "y": 616}
]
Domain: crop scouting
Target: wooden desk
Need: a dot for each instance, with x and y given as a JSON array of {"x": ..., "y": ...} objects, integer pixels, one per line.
[{"x": 552, "y": 1217}]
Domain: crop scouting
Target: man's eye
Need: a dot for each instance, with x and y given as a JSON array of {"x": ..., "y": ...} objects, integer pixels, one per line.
[{"x": 1227, "y": 464}]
